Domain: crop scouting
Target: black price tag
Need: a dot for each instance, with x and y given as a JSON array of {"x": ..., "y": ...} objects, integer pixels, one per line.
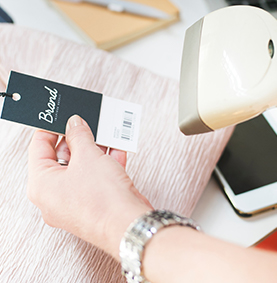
[{"x": 48, "y": 105}]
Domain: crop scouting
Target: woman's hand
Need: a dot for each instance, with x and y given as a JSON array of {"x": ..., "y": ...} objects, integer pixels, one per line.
[{"x": 92, "y": 197}]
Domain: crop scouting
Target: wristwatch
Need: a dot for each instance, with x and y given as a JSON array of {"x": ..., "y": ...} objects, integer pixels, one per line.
[{"x": 139, "y": 233}]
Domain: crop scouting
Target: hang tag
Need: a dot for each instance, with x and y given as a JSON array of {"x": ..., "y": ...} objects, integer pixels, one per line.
[{"x": 48, "y": 105}]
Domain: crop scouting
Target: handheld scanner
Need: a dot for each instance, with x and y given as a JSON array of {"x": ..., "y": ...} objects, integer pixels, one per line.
[{"x": 229, "y": 69}]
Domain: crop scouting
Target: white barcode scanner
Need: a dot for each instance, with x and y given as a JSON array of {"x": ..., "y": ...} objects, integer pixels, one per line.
[{"x": 229, "y": 69}]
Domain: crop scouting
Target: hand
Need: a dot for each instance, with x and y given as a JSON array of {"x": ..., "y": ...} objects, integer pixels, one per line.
[{"x": 92, "y": 197}]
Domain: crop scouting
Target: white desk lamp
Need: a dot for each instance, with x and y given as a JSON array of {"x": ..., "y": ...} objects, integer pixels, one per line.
[{"x": 229, "y": 69}]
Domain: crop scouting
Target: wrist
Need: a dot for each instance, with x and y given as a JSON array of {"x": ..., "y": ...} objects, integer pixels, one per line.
[
  {"x": 113, "y": 222},
  {"x": 118, "y": 228},
  {"x": 132, "y": 206}
]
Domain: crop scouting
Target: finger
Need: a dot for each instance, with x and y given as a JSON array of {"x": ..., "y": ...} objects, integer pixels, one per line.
[
  {"x": 80, "y": 140},
  {"x": 42, "y": 149},
  {"x": 119, "y": 156},
  {"x": 62, "y": 151}
]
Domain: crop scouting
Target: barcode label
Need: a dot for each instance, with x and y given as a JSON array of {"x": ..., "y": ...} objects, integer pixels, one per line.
[
  {"x": 127, "y": 125},
  {"x": 119, "y": 124}
]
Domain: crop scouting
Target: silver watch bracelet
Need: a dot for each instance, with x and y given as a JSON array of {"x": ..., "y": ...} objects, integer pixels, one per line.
[{"x": 137, "y": 236}]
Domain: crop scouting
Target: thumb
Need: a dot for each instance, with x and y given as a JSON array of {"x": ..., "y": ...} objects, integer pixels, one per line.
[{"x": 79, "y": 137}]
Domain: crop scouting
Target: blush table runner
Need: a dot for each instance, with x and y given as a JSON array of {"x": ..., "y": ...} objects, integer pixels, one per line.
[{"x": 170, "y": 169}]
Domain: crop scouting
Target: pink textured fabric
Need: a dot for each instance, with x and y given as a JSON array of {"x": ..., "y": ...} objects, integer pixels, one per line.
[{"x": 170, "y": 169}]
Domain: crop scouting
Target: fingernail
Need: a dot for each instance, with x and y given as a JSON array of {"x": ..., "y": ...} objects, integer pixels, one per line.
[{"x": 73, "y": 121}]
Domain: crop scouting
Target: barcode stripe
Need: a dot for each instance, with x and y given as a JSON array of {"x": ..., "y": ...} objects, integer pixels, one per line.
[{"x": 127, "y": 125}]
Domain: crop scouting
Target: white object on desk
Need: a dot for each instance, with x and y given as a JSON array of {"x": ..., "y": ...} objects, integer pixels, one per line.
[{"x": 120, "y": 6}]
